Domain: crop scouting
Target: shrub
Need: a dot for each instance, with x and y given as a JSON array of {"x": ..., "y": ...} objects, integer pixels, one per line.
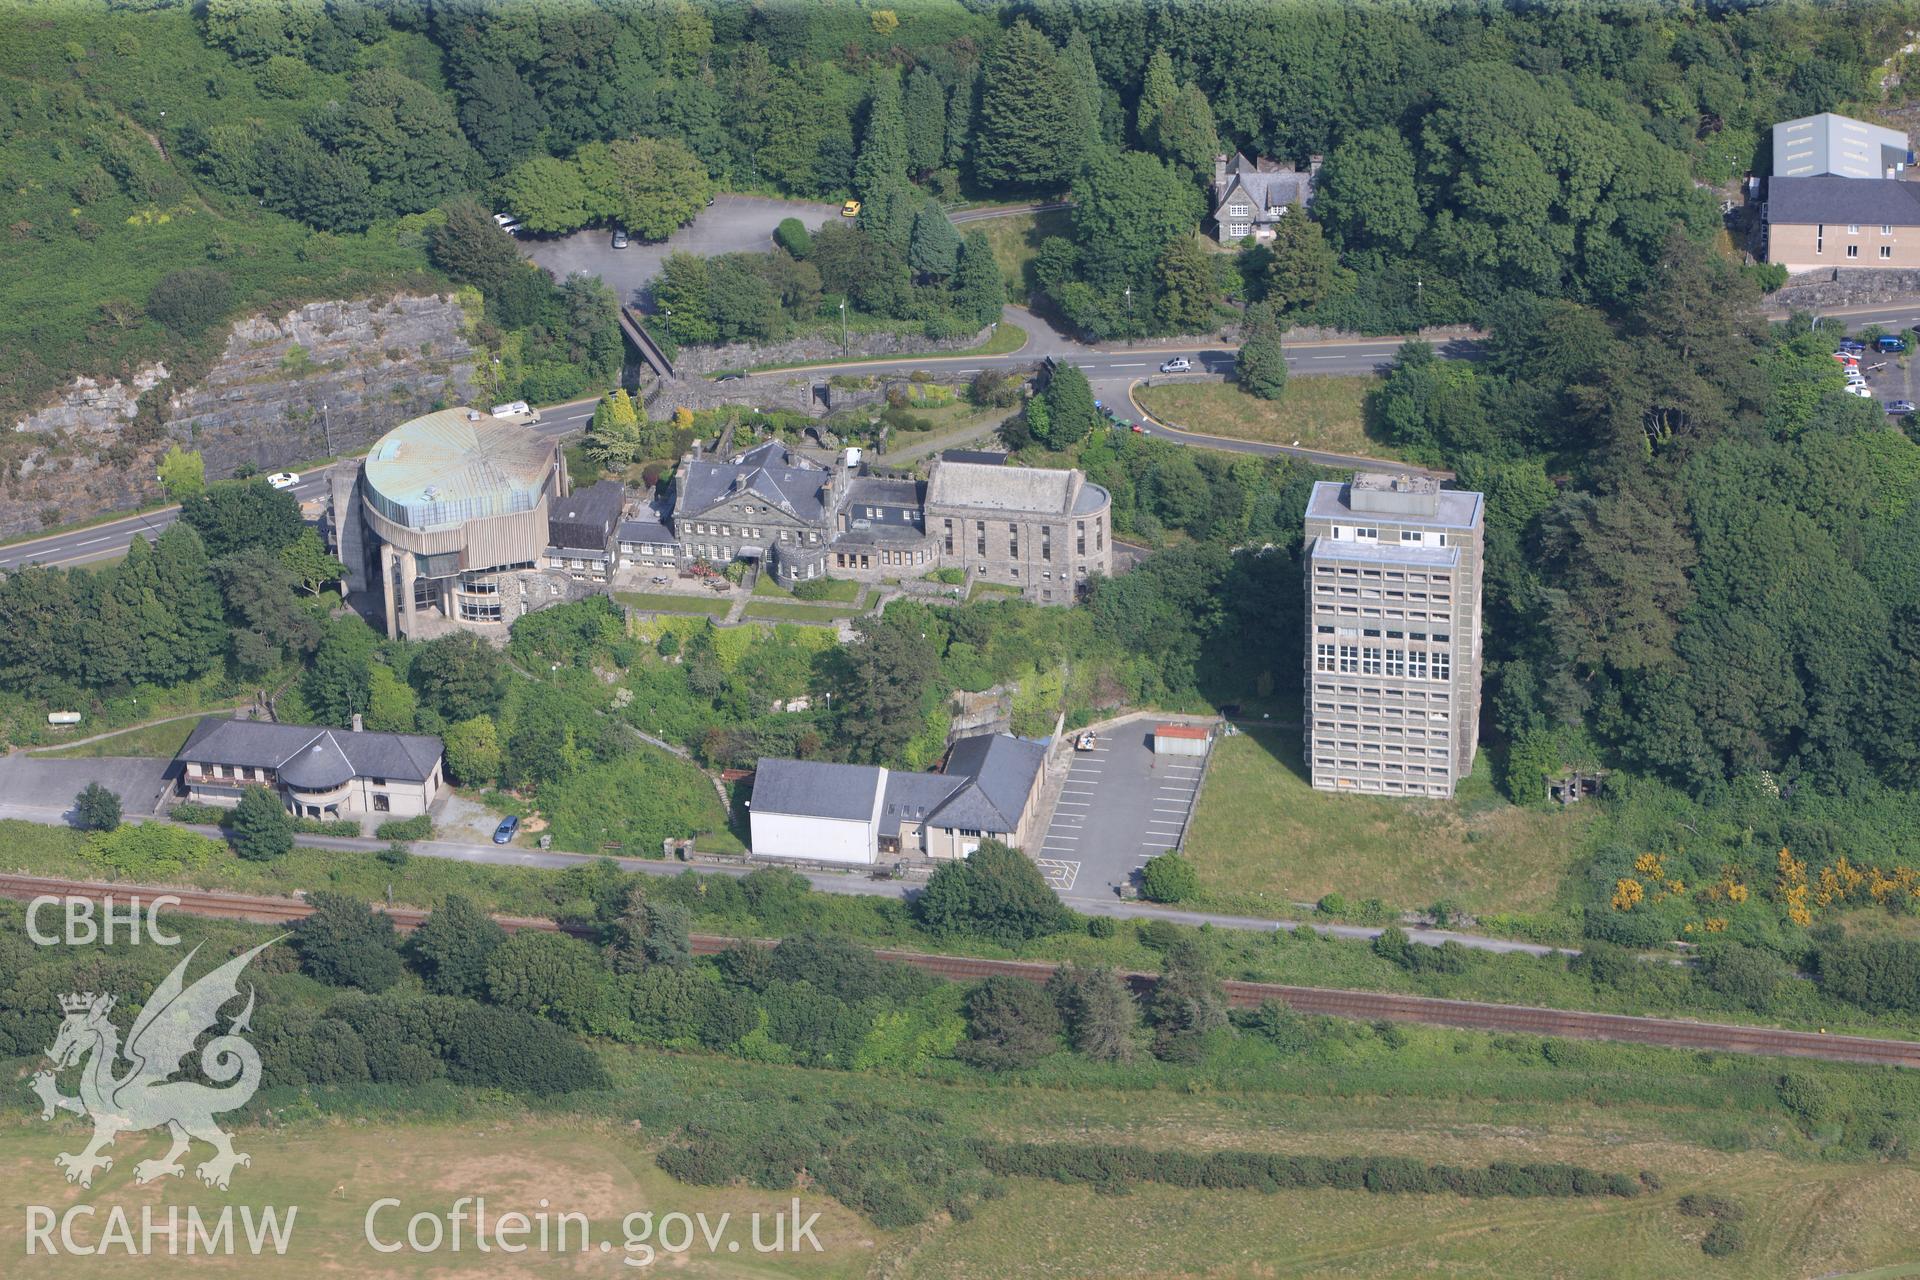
[
  {"x": 419, "y": 827},
  {"x": 997, "y": 893},
  {"x": 96, "y": 808},
  {"x": 325, "y": 827},
  {"x": 1101, "y": 927},
  {"x": 189, "y": 300},
  {"x": 793, "y": 236},
  {"x": 812, "y": 589},
  {"x": 196, "y": 814},
  {"x": 395, "y": 856},
  {"x": 1169, "y": 878},
  {"x": 1725, "y": 1238},
  {"x": 148, "y": 848},
  {"x": 348, "y": 944},
  {"x": 1705, "y": 1204},
  {"x": 260, "y": 827}
]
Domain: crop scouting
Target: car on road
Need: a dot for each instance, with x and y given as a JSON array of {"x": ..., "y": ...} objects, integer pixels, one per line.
[
  {"x": 1890, "y": 342},
  {"x": 1900, "y": 406},
  {"x": 283, "y": 479},
  {"x": 851, "y": 209},
  {"x": 1140, "y": 429},
  {"x": 1179, "y": 364},
  {"x": 619, "y": 239},
  {"x": 1860, "y": 389},
  {"x": 503, "y": 834}
]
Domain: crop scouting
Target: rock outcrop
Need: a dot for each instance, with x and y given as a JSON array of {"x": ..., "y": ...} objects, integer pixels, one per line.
[{"x": 323, "y": 379}]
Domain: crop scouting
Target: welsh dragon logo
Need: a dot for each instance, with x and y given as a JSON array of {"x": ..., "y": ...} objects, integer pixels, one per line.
[{"x": 141, "y": 1096}]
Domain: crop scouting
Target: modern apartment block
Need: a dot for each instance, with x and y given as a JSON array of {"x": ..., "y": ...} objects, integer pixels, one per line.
[{"x": 1393, "y": 634}]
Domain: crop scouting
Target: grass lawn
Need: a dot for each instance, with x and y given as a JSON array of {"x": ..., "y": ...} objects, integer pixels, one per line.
[
  {"x": 1320, "y": 412},
  {"x": 1016, "y": 239},
  {"x": 1263, "y": 838},
  {"x": 163, "y": 739},
  {"x": 714, "y": 607},
  {"x": 798, "y": 611},
  {"x": 982, "y": 590},
  {"x": 843, "y": 590}
]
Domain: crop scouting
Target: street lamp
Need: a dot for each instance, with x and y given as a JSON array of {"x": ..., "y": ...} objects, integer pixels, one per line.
[{"x": 843, "y": 324}]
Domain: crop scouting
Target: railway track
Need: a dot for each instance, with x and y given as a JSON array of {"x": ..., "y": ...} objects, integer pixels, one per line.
[{"x": 1366, "y": 1006}]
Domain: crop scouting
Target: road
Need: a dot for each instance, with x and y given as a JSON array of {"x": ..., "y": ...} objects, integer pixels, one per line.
[
  {"x": 1112, "y": 373},
  {"x": 826, "y": 882},
  {"x": 108, "y": 539}
]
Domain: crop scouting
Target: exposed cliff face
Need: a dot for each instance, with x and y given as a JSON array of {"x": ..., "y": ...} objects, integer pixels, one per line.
[{"x": 326, "y": 378}]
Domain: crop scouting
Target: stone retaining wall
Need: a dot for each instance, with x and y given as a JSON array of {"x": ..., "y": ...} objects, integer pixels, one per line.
[{"x": 1843, "y": 287}]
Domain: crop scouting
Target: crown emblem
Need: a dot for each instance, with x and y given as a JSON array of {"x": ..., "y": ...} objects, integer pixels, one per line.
[{"x": 83, "y": 1001}]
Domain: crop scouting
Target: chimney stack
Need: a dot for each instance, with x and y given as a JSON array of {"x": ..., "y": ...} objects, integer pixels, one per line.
[{"x": 1219, "y": 170}]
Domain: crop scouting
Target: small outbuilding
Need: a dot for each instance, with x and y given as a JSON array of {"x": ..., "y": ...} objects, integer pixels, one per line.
[{"x": 1180, "y": 740}]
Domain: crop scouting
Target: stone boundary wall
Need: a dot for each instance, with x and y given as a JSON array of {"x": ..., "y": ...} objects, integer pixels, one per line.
[{"x": 1845, "y": 287}]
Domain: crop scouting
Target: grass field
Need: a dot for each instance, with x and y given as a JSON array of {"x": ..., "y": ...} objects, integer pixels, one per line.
[
  {"x": 163, "y": 739},
  {"x": 331, "y": 1173},
  {"x": 714, "y": 607},
  {"x": 1444, "y": 1096},
  {"x": 1320, "y": 412},
  {"x": 1015, "y": 241},
  {"x": 1263, "y": 837}
]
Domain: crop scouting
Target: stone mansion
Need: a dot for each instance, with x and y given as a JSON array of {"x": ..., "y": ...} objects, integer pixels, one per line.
[{"x": 1044, "y": 531}]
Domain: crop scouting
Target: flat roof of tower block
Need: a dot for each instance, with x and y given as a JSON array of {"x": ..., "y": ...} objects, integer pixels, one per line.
[
  {"x": 454, "y": 465},
  {"x": 1456, "y": 508}
]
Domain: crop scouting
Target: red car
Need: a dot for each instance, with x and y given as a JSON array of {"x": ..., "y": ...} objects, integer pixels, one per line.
[{"x": 1137, "y": 427}]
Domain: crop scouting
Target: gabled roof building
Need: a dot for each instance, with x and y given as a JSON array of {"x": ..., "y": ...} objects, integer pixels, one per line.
[
  {"x": 317, "y": 772},
  {"x": 824, "y": 812},
  {"x": 1251, "y": 196}
]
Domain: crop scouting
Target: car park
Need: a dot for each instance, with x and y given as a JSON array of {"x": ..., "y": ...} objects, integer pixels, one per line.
[
  {"x": 619, "y": 239},
  {"x": 1179, "y": 364},
  {"x": 1900, "y": 406},
  {"x": 283, "y": 479},
  {"x": 503, "y": 834},
  {"x": 851, "y": 209}
]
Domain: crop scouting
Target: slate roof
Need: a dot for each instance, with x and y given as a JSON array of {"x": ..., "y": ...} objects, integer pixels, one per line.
[
  {"x": 1866, "y": 201},
  {"x": 880, "y": 491},
  {"x": 913, "y": 797},
  {"x": 782, "y": 478},
  {"x": 1000, "y": 770},
  {"x": 1270, "y": 187},
  {"x": 816, "y": 788},
  {"x": 985, "y": 457},
  {"x": 310, "y": 757},
  {"x": 993, "y": 488},
  {"x": 1837, "y": 145}
]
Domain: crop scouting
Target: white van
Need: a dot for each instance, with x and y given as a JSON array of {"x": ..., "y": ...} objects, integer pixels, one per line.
[{"x": 516, "y": 409}]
